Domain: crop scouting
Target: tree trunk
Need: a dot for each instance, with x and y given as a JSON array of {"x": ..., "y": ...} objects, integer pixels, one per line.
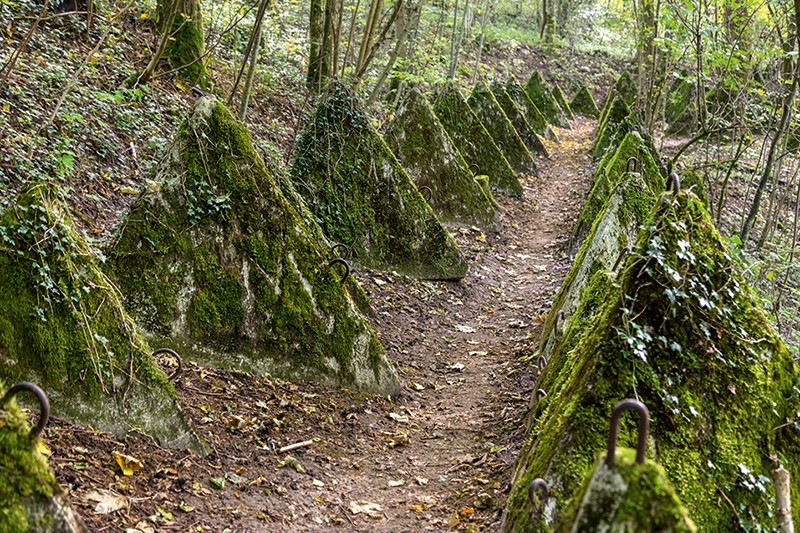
[
  {"x": 186, "y": 47},
  {"x": 316, "y": 28}
]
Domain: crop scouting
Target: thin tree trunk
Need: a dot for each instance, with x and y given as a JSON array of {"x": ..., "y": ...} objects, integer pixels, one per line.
[
  {"x": 256, "y": 48},
  {"x": 253, "y": 45},
  {"x": 144, "y": 77},
  {"x": 369, "y": 29},
  {"x": 483, "y": 38},
  {"x": 316, "y": 28},
  {"x": 350, "y": 38},
  {"x": 389, "y": 66}
]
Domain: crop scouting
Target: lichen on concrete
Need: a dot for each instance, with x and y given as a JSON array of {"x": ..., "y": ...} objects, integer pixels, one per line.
[
  {"x": 30, "y": 498},
  {"x": 518, "y": 120},
  {"x": 65, "y": 328},
  {"x": 583, "y": 104},
  {"x": 361, "y": 195},
  {"x": 216, "y": 263},
  {"x": 532, "y": 114},
  {"x": 426, "y": 152},
  {"x": 681, "y": 331},
  {"x": 561, "y": 100},
  {"x": 539, "y": 93},
  {"x": 473, "y": 141},
  {"x": 494, "y": 119}
]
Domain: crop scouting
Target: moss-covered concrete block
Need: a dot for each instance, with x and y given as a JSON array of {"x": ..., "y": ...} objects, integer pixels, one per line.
[
  {"x": 215, "y": 262},
  {"x": 30, "y": 498},
  {"x": 561, "y": 100},
  {"x": 426, "y": 152},
  {"x": 517, "y": 118},
  {"x": 616, "y": 123},
  {"x": 63, "y": 326},
  {"x": 489, "y": 112},
  {"x": 628, "y": 496},
  {"x": 535, "y": 118},
  {"x": 625, "y": 87},
  {"x": 583, "y": 104},
  {"x": 539, "y": 93},
  {"x": 680, "y": 111},
  {"x": 361, "y": 195},
  {"x": 682, "y": 332},
  {"x": 473, "y": 141}
]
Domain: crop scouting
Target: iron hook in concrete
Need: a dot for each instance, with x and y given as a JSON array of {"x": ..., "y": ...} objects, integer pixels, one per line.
[
  {"x": 540, "y": 393},
  {"x": 477, "y": 169},
  {"x": 341, "y": 261},
  {"x": 342, "y": 246},
  {"x": 541, "y": 484},
  {"x": 178, "y": 371},
  {"x": 622, "y": 253},
  {"x": 674, "y": 183},
  {"x": 501, "y": 145},
  {"x": 643, "y": 425},
  {"x": 44, "y": 404},
  {"x": 632, "y": 162},
  {"x": 426, "y": 197},
  {"x": 541, "y": 361}
]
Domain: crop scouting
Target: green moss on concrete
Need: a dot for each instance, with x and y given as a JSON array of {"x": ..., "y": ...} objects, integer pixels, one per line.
[
  {"x": 537, "y": 121},
  {"x": 692, "y": 180},
  {"x": 561, "y": 100},
  {"x": 540, "y": 95},
  {"x": 64, "y": 327},
  {"x": 683, "y": 333},
  {"x": 628, "y": 497},
  {"x": 625, "y": 87},
  {"x": 583, "y": 104},
  {"x": 214, "y": 261},
  {"x": 517, "y": 118},
  {"x": 491, "y": 115},
  {"x": 362, "y": 196},
  {"x": 30, "y": 498},
  {"x": 426, "y": 152},
  {"x": 473, "y": 141},
  {"x": 615, "y": 124},
  {"x": 680, "y": 112}
]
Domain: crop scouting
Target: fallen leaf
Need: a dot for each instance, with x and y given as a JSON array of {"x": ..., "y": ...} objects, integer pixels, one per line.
[
  {"x": 293, "y": 462},
  {"x": 373, "y": 510},
  {"x": 417, "y": 507},
  {"x": 421, "y": 480},
  {"x": 108, "y": 501},
  {"x": 398, "y": 417},
  {"x": 217, "y": 482},
  {"x": 185, "y": 507},
  {"x": 397, "y": 482},
  {"x": 128, "y": 464},
  {"x": 453, "y": 520},
  {"x": 317, "y": 483},
  {"x": 417, "y": 386},
  {"x": 456, "y": 367},
  {"x": 466, "y": 511}
]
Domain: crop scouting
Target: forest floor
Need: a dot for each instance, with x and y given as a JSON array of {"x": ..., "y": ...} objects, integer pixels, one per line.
[{"x": 438, "y": 457}]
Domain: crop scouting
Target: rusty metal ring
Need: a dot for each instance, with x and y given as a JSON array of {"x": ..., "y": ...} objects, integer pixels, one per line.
[
  {"x": 44, "y": 404},
  {"x": 538, "y": 483},
  {"x": 622, "y": 253},
  {"x": 477, "y": 169},
  {"x": 635, "y": 165},
  {"x": 501, "y": 145},
  {"x": 540, "y": 393},
  {"x": 429, "y": 195},
  {"x": 643, "y": 424},
  {"x": 343, "y": 246},
  {"x": 178, "y": 371},
  {"x": 559, "y": 316},
  {"x": 541, "y": 362},
  {"x": 341, "y": 261},
  {"x": 674, "y": 183}
]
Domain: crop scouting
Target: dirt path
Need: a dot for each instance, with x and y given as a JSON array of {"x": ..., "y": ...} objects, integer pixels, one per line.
[{"x": 438, "y": 457}]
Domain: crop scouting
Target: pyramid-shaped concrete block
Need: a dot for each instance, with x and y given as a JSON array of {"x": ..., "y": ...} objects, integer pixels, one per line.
[
  {"x": 491, "y": 115},
  {"x": 617, "y": 122},
  {"x": 539, "y": 93},
  {"x": 536, "y": 120},
  {"x": 433, "y": 162},
  {"x": 517, "y": 118},
  {"x": 682, "y": 332},
  {"x": 583, "y": 104},
  {"x": 473, "y": 141},
  {"x": 362, "y": 196},
  {"x": 561, "y": 100},
  {"x": 216, "y": 263},
  {"x": 65, "y": 328}
]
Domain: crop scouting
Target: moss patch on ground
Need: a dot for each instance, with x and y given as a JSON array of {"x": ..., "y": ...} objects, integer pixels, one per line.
[
  {"x": 682, "y": 333},
  {"x": 489, "y": 112},
  {"x": 517, "y": 118},
  {"x": 539, "y": 93},
  {"x": 361, "y": 195},
  {"x": 561, "y": 100},
  {"x": 30, "y": 497},
  {"x": 532, "y": 114},
  {"x": 216, "y": 263},
  {"x": 426, "y": 152},
  {"x": 473, "y": 141},
  {"x": 583, "y": 104},
  {"x": 64, "y": 327}
]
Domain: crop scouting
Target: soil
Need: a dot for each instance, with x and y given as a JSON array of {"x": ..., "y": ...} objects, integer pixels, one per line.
[{"x": 438, "y": 457}]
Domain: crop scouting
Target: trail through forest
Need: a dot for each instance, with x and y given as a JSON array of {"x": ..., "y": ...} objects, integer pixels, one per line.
[{"x": 439, "y": 457}]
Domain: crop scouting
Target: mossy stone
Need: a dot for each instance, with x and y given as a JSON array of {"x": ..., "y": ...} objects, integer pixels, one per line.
[
  {"x": 583, "y": 104},
  {"x": 680, "y": 331},
  {"x": 64, "y": 327},
  {"x": 216, "y": 263},
  {"x": 491, "y": 115},
  {"x": 30, "y": 498},
  {"x": 360, "y": 194},
  {"x": 517, "y": 118},
  {"x": 426, "y": 152},
  {"x": 473, "y": 141},
  {"x": 680, "y": 112},
  {"x": 539, "y": 93},
  {"x": 561, "y": 100},
  {"x": 537, "y": 121},
  {"x": 616, "y": 124},
  {"x": 625, "y": 87}
]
